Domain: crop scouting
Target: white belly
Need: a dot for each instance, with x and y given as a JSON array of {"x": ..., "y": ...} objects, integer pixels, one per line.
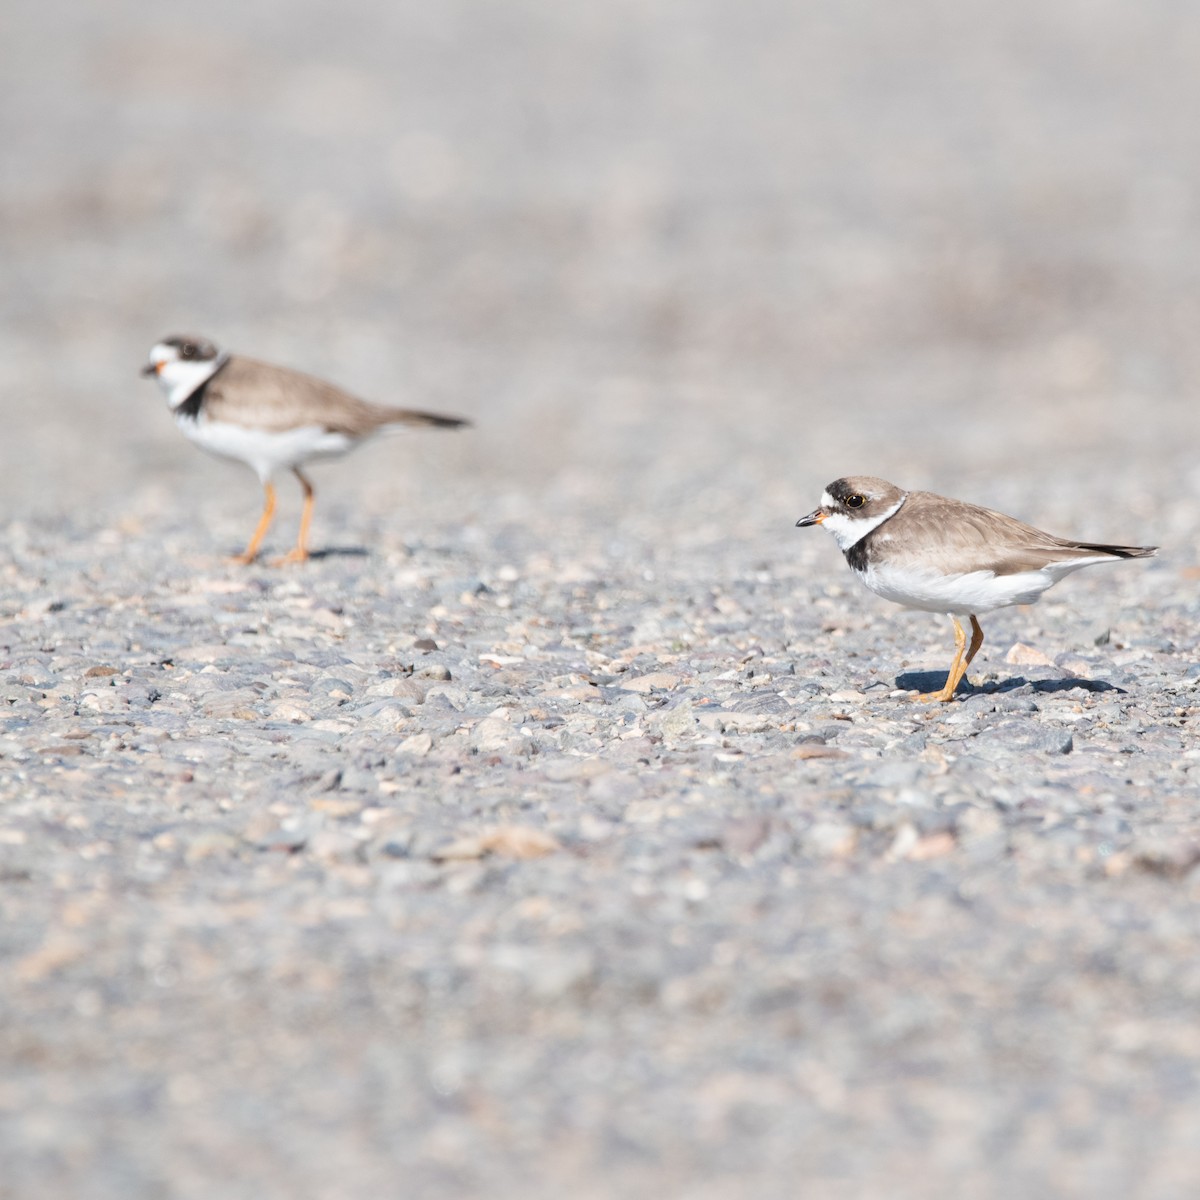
[
  {"x": 976, "y": 592},
  {"x": 264, "y": 452}
]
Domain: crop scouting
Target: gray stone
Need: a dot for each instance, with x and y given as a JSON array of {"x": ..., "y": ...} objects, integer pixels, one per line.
[{"x": 434, "y": 671}]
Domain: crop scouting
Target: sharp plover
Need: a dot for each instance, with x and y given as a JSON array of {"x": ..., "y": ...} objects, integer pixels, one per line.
[{"x": 929, "y": 552}]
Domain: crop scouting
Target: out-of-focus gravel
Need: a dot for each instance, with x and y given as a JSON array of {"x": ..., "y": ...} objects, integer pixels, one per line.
[{"x": 564, "y": 829}]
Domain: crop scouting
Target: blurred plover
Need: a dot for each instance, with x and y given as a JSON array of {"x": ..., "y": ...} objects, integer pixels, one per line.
[
  {"x": 929, "y": 552},
  {"x": 268, "y": 417}
]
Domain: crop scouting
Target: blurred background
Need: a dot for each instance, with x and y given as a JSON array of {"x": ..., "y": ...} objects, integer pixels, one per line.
[{"x": 683, "y": 261}]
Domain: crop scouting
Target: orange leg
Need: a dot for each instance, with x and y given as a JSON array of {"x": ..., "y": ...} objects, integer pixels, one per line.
[
  {"x": 958, "y": 667},
  {"x": 976, "y": 642},
  {"x": 264, "y": 523},
  {"x": 299, "y": 552}
]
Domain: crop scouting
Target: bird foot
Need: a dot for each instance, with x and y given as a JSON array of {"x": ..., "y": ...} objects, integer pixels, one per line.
[
  {"x": 942, "y": 697},
  {"x": 296, "y": 554}
]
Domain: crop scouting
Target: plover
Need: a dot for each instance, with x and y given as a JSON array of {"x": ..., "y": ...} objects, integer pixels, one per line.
[
  {"x": 941, "y": 555},
  {"x": 271, "y": 418}
]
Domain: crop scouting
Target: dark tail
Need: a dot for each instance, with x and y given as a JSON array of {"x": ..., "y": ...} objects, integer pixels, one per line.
[
  {"x": 412, "y": 416},
  {"x": 1118, "y": 551}
]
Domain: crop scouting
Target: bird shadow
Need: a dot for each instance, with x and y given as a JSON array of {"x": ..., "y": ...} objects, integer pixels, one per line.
[
  {"x": 340, "y": 552},
  {"x": 934, "y": 681}
]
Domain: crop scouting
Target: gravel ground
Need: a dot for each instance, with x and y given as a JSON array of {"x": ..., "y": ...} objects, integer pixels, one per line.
[{"x": 565, "y": 827}]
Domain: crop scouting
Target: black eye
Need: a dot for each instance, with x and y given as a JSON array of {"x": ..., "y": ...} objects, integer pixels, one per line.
[
  {"x": 187, "y": 350},
  {"x": 855, "y": 501}
]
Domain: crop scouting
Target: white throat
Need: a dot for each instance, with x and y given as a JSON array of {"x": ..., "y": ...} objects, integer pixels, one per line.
[
  {"x": 180, "y": 378},
  {"x": 849, "y": 531}
]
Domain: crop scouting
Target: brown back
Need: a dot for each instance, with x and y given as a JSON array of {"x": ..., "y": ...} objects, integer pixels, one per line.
[{"x": 263, "y": 396}]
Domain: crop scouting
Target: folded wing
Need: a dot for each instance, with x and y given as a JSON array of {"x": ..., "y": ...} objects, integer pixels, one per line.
[{"x": 276, "y": 399}]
